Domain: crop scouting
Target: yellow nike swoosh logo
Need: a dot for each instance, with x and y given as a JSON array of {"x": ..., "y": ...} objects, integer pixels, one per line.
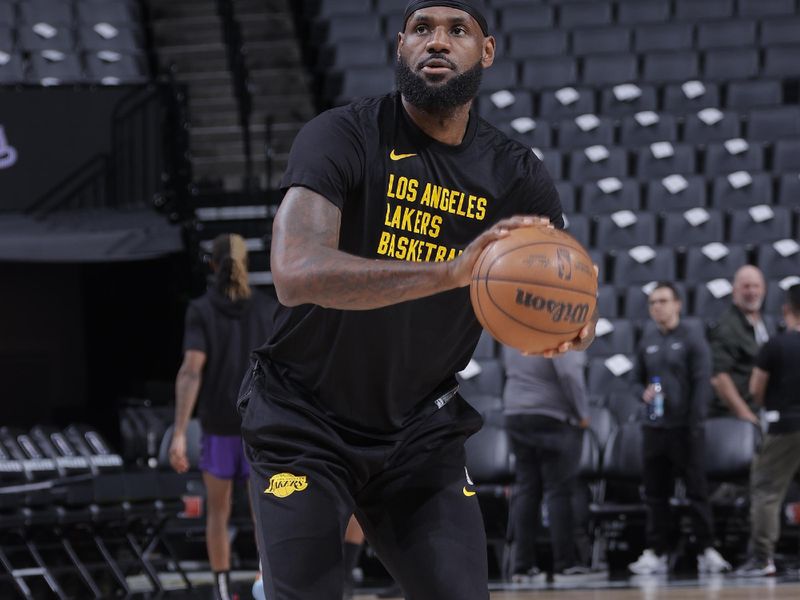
[
  {"x": 394, "y": 156},
  {"x": 467, "y": 493}
]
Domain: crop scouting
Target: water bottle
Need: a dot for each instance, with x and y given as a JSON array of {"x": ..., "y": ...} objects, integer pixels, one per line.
[{"x": 657, "y": 406}]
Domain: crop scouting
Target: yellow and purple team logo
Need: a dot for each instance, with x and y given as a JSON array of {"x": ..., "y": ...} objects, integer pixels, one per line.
[{"x": 286, "y": 484}]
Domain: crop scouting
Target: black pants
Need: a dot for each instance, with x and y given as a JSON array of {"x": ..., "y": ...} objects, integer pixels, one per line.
[
  {"x": 671, "y": 453},
  {"x": 548, "y": 454},
  {"x": 411, "y": 496}
]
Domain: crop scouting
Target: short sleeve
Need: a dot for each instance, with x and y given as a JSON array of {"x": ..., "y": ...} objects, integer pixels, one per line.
[
  {"x": 765, "y": 360},
  {"x": 327, "y": 156},
  {"x": 722, "y": 359},
  {"x": 194, "y": 333},
  {"x": 537, "y": 193}
]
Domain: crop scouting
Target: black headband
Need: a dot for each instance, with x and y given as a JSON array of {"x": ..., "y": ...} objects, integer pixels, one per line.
[{"x": 471, "y": 7}]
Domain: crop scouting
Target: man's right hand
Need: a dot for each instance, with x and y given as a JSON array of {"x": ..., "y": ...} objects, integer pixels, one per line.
[
  {"x": 749, "y": 415},
  {"x": 461, "y": 268},
  {"x": 649, "y": 393},
  {"x": 177, "y": 453}
]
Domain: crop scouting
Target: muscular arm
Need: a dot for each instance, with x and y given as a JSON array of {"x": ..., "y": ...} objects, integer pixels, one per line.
[
  {"x": 187, "y": 387},
  {"x": 758, "y": 384},
  {"x": 726, "y": 390},
  {"x": 308, "y": 267}
]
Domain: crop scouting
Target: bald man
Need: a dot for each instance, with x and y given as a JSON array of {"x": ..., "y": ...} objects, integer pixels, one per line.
[{"x": 735, "y": 341}]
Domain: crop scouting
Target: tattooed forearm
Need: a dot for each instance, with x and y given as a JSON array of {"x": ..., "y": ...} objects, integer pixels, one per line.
[{"x": 308, "y": 267}]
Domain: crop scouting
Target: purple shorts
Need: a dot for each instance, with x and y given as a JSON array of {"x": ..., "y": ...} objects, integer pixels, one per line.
[{"x": 223, "y": 457}]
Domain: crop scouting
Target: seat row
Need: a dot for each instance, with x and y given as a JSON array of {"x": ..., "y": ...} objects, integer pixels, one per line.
[
  {"x": 677, "y": 99},
  {"x": 53, "y": 67},
  {"x": 68, "y": 12},
  {"x": 91, "y": 36},
  {"x": 611, "y": 195},
  {"x": 627, "y": 229}
]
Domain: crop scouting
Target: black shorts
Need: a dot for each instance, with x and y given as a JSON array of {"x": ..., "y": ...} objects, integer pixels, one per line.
[{"x": 412, "y": 497}]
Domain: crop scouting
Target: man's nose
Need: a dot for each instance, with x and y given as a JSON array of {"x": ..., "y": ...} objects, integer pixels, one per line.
[{"x": 439, "y": 41}]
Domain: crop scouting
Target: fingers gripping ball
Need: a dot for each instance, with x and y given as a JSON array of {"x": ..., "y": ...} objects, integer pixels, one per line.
[{"x": 534, "y": 289}]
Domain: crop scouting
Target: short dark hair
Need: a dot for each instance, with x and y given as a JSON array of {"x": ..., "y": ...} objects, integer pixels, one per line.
[
  {"x": 670, "y": 286},
  {"x": 793, "y": 298}
]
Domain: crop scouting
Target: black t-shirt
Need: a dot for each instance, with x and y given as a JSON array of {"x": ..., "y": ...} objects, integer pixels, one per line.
[
  {"x": 780, "y": 357},
  {"x": 403, "y": 196},
  {"x": 227, "y": 332}
]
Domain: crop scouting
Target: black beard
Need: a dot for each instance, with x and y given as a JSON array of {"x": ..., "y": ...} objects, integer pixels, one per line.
[{"x": 438, "y": 99}]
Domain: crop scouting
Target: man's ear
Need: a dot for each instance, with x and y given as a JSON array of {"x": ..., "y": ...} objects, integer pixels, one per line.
[
  {"x": 487, "y": 57},
  {"x": 400, "y": 37}
]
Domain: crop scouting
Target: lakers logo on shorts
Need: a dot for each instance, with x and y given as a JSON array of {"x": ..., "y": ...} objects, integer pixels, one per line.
[{"x": 286, "y": 484}]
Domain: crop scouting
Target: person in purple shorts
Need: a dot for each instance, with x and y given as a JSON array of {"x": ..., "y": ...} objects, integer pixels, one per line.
[{"x": 222, "y": 327}]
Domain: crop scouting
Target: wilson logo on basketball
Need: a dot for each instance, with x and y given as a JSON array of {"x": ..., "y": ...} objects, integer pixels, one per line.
[
  {"x": 286, "y": 484},
  {"x": 560, "y": 312}
]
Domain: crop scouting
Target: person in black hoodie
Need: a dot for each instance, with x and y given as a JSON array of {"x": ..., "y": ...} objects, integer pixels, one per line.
[
  {"x": 678, "y": 357},
  {"x": 222, "y": 327}
]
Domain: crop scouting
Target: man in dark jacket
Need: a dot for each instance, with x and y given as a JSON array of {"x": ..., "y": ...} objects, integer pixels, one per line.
[
  {"x": 676, "y": 359},
  {"x": 735, "y": 341}
]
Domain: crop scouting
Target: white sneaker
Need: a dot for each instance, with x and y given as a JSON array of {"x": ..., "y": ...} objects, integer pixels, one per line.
[
  {"x": 649, "y": 563},
  {"x": 711, "y": 561}
]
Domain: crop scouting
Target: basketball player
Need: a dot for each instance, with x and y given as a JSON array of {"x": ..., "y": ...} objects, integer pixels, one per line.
[
  {"x": 352, "y": 404},
  {"x": 222, "y": 328}
]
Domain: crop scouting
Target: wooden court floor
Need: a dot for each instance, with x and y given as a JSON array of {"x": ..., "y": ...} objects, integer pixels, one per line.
[{"x": 719, "y": 588}]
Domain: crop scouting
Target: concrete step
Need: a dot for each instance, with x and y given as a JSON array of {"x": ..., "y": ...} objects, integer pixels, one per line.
[
  {"x": 176, "y": 31},
  {"x": 271, "y": 53},
  {"x": 279, "y": 80},
  {"x": 263, "y": 26},
  {"x": 182, "y": 8}
]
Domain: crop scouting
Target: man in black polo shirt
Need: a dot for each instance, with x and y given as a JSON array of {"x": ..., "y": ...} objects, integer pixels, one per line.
[
  {"x": 678, "y": 358},
  {"x": 775, "y": 384}
]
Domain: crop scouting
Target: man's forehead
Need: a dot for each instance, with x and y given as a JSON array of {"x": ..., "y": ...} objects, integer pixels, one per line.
[{"x": 453, "y": 15}]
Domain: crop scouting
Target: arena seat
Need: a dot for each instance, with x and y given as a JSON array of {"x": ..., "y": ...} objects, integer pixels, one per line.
[
  {"x": 663, "y": 36},
  {"x": 661, "y": 199},
  {"x": 629, "y": 270}
]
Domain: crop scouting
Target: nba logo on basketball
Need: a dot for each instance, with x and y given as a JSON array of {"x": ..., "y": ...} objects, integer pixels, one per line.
[{"x": 564, "y": 264}]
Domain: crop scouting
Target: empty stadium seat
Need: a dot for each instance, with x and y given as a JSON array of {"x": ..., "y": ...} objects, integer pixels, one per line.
[
  {"x": 701, "y": 267},
  {"x": 505, "y": 106},
  {"x": 553, "y": 161},
  {"x": 365, "y": 81},
  {"x": 532, "y": 133},
  {"x": 566, "y": 193},
  {"x": 617, "y": 337},
  {"x": 551, "y": 72},
  {"x": 354, "y": 53},
  {"x": 595, "y": 201},
  {"x": 502, "y": 75},
  {"x": 746, "y": 228},
  {"x": 114, "y": 70},
  {"x": 723, "y": 34},
  {"x": 578, "y": 227},
  {"x": 725, "y": 196},
  {"x": 117, "y": 39},
  {"x": 609, "y": 235},
  {"x": 760, "y": 92},
  {"x": 571, "y": 135},
  {"x": 765, "y": 8},
  {"x": 730, "y": 63},
  {"x": 768, "y": 124},
  {"x": 609, "y": 69},
  {"x": 695, "y": 10},
  {"x": 630, "y": 270},
  {"x": 46, "y": 11},
  {"x": 720, "y": 161},
  {"x": 583, "y": 169},
  {"x": 626, "y": 100},
  {"x": 698, "y": 131},
  {"x": 37, "y": 36},
  {"x": 55, "y": 69},
  {"x": 677, "y": 100},
  {"x": 634, "y": 133},
  {"x": 12, "y": 70},
  {"x": 777, "y": 264},
  {"x": 352, "y": 27},
  {"x": 678, "y": 232},
  {"x": 642, "y": 11},
  {"x": 584, "y": 14},
  {"x": 601, "y": 423},
  {"x": 789, "y": 190},
  {"x": 8, "y": 15},
  {"x": 786, "y": 156},
  {"x": 778, "y": 31},
  {"x": 527, "y": 44},
  {"x": 555, "y": 105},
  {"x": 386, "y": 7},
  {"x": 663, "y": 37},
  {"x": 528, "y": 16},
  {"x": 487, "y": 382},
  {"x": 601, "y": 379},
  {"x": 683, "y": 161},
  {"x": 781, "y": 61},
  {"x": 107, "y": 11},
  {"x": 335, "y": 8},
  {"x": 599, "y": 40},
  {"x": 664, "y": 67},
  {"x": 6, "y": 42},
  {"x": 607, "y": 301},
  {"x": 661, "y": 199}
]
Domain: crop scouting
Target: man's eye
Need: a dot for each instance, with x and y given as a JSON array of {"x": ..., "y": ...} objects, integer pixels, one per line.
[
  {"x": 459, "y": 30},
  {"x": 420, "y": 29}
]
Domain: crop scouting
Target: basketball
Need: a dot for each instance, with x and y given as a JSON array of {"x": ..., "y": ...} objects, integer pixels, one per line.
[{"x": 534, "y": 289}]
